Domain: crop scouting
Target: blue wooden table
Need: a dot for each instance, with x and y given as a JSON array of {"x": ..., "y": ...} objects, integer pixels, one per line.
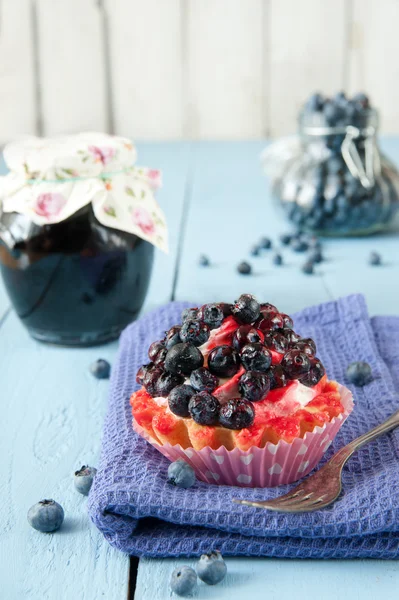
[{"x": 216, "y": 201}]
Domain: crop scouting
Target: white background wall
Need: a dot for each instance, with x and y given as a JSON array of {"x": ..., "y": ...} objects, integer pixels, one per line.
[{"x": 173, "y": 69}]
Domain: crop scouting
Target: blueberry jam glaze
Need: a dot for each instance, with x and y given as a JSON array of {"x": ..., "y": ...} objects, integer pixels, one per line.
[{"x": 74, "y": 283}]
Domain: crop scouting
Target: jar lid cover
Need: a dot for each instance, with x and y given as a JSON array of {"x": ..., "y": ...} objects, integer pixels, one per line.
[{"x": 52, "y": 178}]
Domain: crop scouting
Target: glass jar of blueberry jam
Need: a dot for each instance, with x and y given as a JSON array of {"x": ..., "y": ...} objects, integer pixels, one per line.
[
  {"x": 336, "y": 181},
  {"x": 77, "y": 243},
  {"x": 75, "y": 282}
]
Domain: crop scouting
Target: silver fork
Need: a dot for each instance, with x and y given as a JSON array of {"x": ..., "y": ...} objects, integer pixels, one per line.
[{"x": 324, "y": 486}]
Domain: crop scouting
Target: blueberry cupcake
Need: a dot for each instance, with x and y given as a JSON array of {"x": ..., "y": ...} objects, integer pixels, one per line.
[{"x": 236, "y": 392}]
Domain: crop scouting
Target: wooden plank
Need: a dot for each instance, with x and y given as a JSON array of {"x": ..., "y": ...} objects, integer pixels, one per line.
[
  {"x": 17, "y": 87},
  {"x": 231, "y": 209},
  {"x": 260, "y": 578},
  {"x": 51, "y": 428},
  {"x": 72, "y": 75},
  {"x": 224, "y": 69},
  {"x": 372, "y": 60},
  {"x": 307, "y": 54},
  {"x": 145, "y": 54}
]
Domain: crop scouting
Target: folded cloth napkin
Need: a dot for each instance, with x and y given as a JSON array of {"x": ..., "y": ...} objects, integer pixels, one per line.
[{"x": 140, "y": 513}]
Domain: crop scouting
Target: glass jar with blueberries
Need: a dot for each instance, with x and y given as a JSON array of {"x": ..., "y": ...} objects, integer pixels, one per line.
[{"x": 333, "y": 179}]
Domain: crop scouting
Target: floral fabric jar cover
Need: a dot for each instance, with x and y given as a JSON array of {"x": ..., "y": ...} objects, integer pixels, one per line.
[{"x": 51, "y": 179}]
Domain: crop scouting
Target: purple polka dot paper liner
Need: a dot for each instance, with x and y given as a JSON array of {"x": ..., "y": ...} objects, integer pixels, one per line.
[{"x": 275, "y": 464}]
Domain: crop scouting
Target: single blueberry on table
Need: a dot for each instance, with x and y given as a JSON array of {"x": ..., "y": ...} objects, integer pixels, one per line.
[
  {"x": 298, "y": 245},
  {"x": 359, "y": 373},
  {"x": 375, "y": 259},
  {"x": 84, "y": 478},
  {"x": 265, "y": 243},
  {"x": 183, "y": 581},
  {"x": 308, "y": 267},
  {"x": 316, "y": 256},
  {"x": 211, "y": 568},
  {"x": 277, "y": 260},
  {"x": 101, "y": 369},
  {"x": 254, "y": 251},
  {"x": 181, "y": 474},
  {"x": 286, "y": 238},
  {"x": 46, "y": 516},
  {"x": 244, "y": 268},
  {"x": 204, "y": 261}
]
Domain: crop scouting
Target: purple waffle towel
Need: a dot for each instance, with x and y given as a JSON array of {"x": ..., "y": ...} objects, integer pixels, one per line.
[{"x": 140, "y": 513}]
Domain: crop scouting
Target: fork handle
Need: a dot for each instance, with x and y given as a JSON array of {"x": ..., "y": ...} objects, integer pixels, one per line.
[{"x": 347, "y": 451}]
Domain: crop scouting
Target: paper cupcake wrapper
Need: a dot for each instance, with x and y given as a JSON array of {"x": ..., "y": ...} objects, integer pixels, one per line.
[{"x": 275, "y": 464}]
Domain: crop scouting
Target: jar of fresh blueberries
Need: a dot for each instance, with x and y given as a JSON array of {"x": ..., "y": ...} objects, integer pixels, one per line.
[{"x": 334, "y": 179}]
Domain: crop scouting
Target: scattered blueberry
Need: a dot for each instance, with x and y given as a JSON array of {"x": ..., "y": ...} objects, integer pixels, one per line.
[
  {"x": 244, "y": 268},
  {"x": 84, "y": 479},
  {"x": 255, "y": 251},
  {"x": 101, "y": 369},
  {"x": 246, "y": 309},
  {"x": 203, "y": 380},
  {"x": 204, "y": 408},
  {"x": 181, "y": 474},
  {"x": 375, "y": 259},
  {"x": 46, "y": 516},
  {"x": 254, "y": 385},
  {"x": 183, "y": 358},
  {"x": 195, "y": 332},
  {"x": 172, "y": 337},
  {"x": 212, "y": 315},
  {"x": 299, "y": 245},
  {"x": 223, "y": 361},
  {"x": 204, "y": 261},
  {"x": 295, "y": 363},
  {"x": 211, "y": 568},
  {"x": 277, "y": 260},
  {"x": 308, "y": 268},
  {"x": 255, "y": 357},
  {"x": 265, "y": 243},
  {"x": 316, "y": 256},
  {"x": 286, "y": 238},
  {"x": 237, "y": 413},
  {"x": 359, "y": 373},
  {"x": 183, "y": 581}
]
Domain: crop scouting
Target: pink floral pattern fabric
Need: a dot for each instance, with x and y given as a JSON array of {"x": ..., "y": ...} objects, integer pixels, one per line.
[{"x": 51, "y": 179}]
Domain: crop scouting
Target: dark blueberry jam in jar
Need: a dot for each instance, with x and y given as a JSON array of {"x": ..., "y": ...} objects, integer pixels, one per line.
[{"x": 76, "y": 282}]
